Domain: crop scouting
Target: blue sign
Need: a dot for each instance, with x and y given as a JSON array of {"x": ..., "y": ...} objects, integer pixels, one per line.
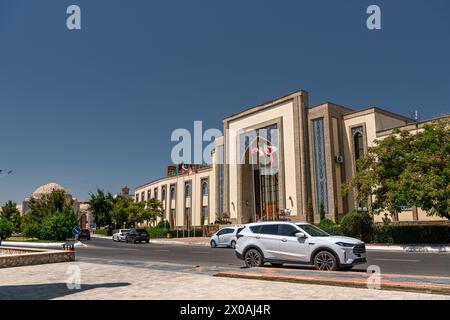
[{"x": 76, "y": 230}]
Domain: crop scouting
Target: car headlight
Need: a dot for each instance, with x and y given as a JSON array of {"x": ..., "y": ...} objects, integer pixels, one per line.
[{"x": 343, "y": 244}]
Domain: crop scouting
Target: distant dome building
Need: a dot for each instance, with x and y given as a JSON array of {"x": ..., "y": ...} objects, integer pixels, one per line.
[
  {"x": 80, "y": 208},
  {"x": 47, "y": 189}
]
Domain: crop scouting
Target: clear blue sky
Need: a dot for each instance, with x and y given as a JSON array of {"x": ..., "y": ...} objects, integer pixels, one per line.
[{"x": 96, "y": 107}]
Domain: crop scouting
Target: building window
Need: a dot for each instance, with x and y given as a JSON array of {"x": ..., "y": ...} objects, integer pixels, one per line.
[
  {"x": 149, "y": 194},
  {"x": 187, "y": 217},
  {"x": 320, "y": 164},
  {"x": 137, "y": 197},
  {"x": 187, "y": 189},
  {"x": 204, "y": 187},
  {"x": 155, "y": 193},
  {"x": 205, "y": 212},
  {"x": 358, "y": 143},
  {"x": 221, "y": 176},
  {"x": 259, "y": 160},
  {"x": 172, "y": 192},
  {"x": 163, "y": 193}
]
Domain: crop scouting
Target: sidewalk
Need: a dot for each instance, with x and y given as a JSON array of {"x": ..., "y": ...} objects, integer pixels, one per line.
[
  {"x": 413, "y": 283},
  {"x": 104, "y": 279}
]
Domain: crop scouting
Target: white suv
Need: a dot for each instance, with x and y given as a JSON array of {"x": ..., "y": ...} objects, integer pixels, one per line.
[
  {"x": 298, "y": 243},
  {"x": 120, "y": 234}
]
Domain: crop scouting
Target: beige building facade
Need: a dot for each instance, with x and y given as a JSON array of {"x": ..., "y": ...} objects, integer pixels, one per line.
[{"x": 282, "y": 159}]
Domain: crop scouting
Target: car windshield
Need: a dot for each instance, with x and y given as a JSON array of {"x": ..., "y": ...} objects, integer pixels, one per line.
[
  {"x": 313, "y": 231},
  {"x": 125, "y": 230}
]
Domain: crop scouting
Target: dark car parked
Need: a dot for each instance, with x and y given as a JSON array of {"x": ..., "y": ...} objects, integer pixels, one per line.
[
  {"x": 84, "y": 235},
  {"x": 137, "y": 235}
]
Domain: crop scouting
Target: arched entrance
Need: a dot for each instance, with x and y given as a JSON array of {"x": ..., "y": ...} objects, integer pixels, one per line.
[{"x": 83, "y": 221}]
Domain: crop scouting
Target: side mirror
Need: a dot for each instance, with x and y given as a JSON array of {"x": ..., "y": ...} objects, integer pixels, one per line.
[{"x": 300, "y": 235}]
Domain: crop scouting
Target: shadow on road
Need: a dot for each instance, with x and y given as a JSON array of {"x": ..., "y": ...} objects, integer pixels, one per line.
[{"x": 48, "y": 291}]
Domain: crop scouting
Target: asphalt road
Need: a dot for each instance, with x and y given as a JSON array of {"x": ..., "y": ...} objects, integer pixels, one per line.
[{"x": 430, "y": 264}]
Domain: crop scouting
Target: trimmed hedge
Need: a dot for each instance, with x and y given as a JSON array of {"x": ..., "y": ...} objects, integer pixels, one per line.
[
  {"x": 412, "y": 234},
  {"x": 156, "y": 233},
  {"x": 393, "y": 234},
  {"x": 104, "y": 232}
]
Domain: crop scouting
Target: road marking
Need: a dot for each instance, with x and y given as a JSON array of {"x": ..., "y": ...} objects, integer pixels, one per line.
[
  {"x": 200, "y": 252},
  {"x": 401, "y": 260},
  {"x": 162, "y": 250}
]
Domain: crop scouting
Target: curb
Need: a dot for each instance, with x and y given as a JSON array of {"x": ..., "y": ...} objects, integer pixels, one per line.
[
  {"x": 353, "y": 283},
  {"x": 408, "y": 248},
  {"x": 54, "y": 245}
]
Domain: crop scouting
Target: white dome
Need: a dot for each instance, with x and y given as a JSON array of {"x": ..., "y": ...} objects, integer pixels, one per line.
[{"x": 47, "y": 189}]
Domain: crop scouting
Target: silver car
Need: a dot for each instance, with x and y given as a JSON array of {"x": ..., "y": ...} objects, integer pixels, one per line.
[
  {"x": 298, "y": 243},
  {"x": 120, "y": 234},
  {"x": 225, "y": 237}
]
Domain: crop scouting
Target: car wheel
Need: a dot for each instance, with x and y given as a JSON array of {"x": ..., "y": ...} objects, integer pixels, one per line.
[
  {"x": 126, "y": 240},
  {"x": 253, "y": 258},
  {"x": 113, "y": 239},
  {"x": 325, "y": 261},
  {"x": 276, "y": 265},
  {"x": 147, "y": 241},
  {"x": 233, "y": 244},
  {"x": 213, "y": 244}
]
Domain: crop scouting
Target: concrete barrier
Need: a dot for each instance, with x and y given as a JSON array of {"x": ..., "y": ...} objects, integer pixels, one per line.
[{"x": 16, "y": 257}]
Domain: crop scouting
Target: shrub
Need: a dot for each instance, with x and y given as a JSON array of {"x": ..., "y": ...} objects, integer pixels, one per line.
[
  {"x": 156, "y": 233},
  {"x": 31, "y": 229},
  {"x": 6, "y": 228},
  {"x": 103, "y": 232},
  {"x": 412, "y": 234},
  {"x": 58, "y": 226},
  {"x": 358, "y": 224},
  {"x": 330, "y": 227},
  {"x": 382, "y": 234},
  {"x": 164, "y": 224}
]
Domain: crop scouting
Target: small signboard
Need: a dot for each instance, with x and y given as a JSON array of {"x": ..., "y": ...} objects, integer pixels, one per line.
[{"x": 76, "y": 230}]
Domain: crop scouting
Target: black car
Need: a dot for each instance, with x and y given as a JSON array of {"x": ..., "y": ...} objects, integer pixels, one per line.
[
  {"x": 84, "y": 234},
  {"x": 137, "y": 235}
]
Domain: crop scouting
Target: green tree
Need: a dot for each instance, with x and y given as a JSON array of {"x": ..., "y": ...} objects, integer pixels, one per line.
[
  {"x": 405, "y": 170},
  {"x": 119, "y": 214},
  {"x": 101, "y": 206},
  {"x": 153, "y": 212},
  {"x": 6, "y": 227},
  {"x": 58, "y": 226},
  {"x": 9, "y": 211},
  {"x": 43, "y": 207}
]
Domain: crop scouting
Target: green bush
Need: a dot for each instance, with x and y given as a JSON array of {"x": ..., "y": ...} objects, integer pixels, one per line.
[
  {"x": 412, "y": 234},
  {"x": 6, "y": 228},
  {"x": 157, "y": 233},
  {"x": 164, "y": 224},
  {"x": 358, "y": 224},
  {"x": 31, "y": 229},
  {"x": 382, "y": 234},
  {"x": 330, "y": 227},
  {"x": 103, "y": 232},
  {"x": 58, "y": 226}
]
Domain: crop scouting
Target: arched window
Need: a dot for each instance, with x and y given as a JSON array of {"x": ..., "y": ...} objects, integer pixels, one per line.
[
  {"x": 204, "y": 187},
  {"x": 187, "y": 190},
  {"x": 172, "y": 192},
  {"x": 358, "y": 143}
]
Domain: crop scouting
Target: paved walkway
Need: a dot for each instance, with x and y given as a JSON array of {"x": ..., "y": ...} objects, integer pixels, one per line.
[
  {"x": 114, "y": 279},
  {"x": 414, "y": 283}
]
